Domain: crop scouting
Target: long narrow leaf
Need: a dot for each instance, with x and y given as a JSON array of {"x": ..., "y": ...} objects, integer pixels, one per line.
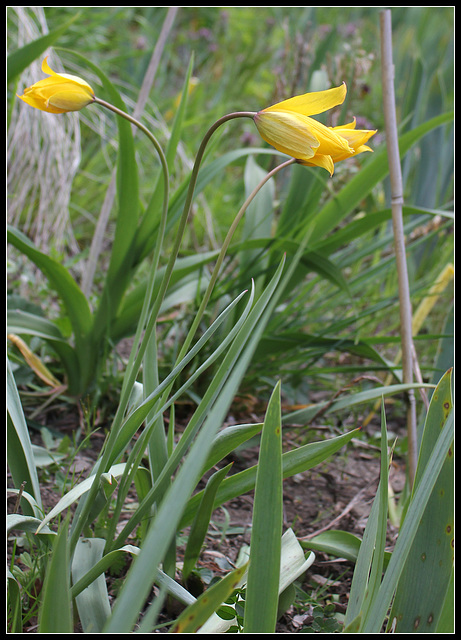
[
  {"x": 410, "y": 526},
  {"x": 62, "y": 282},
  {"x": 117, "y": 441},
  {"x": 379, "y": 540},
  {"x": 430, "y": 561},
  {"x": 136, "y": 418},
  {"x": 304, "y": 415},
  {"x": 56, "y": 605},
  {"x": 20, "y": 455},
  {"x": 23, "y": 322},
  {"x": 266, "y": 533},
  {"x": 122, "y": 252},
  {"x": 127, "y": 180},
  {"x": 93, "y": 603}
]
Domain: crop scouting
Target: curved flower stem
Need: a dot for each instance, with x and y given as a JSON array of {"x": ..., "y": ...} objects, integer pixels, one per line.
[
  {"x": 183, "y": 222},
  {"x": 146, "y": 131},
  {"x": 214, "y": 276},
  {"x": 138, "y": 349}
]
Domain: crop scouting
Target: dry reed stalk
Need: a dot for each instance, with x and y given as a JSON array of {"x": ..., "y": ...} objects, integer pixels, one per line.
[{"x": 395, "y": 174}]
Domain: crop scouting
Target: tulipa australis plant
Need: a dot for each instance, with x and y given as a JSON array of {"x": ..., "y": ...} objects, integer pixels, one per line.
[{"x": 140, "y": 450}]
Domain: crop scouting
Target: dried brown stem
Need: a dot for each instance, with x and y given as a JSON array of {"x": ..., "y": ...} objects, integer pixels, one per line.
[{"x": 395, "y": 174}]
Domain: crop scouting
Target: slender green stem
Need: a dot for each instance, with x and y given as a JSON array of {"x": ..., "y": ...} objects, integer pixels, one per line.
[
  {"x": 141, "y": 127},
  {"x": 131, "y": 369},
  {"x": 178, "y": 239}
]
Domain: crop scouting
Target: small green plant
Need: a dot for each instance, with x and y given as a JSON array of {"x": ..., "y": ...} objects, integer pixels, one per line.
[{"x": 323, "y": 620}]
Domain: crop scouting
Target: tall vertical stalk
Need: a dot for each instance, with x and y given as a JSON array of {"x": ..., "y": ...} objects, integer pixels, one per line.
[{"x": 395, "y": 174}]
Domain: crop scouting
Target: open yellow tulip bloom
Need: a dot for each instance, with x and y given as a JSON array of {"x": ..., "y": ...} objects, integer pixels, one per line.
[
  {"x": 59, "y": 93},
  {"x": 288, "y": 127}
]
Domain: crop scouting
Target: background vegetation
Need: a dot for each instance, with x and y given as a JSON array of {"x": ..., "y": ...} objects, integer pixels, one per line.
[{"x": 335, "y": 327}]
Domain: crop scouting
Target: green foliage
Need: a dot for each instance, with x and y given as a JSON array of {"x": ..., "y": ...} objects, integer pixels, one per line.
[
  {"x": 305, "y": 274},
  {"x": 423, "y": 553},
  {"x": 430, "y": 560}
]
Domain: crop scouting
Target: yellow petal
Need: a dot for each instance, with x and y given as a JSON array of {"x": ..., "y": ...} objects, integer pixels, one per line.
[
  {"x": 355, "y": 137},
  {"x": 288, "y": 127},
  {"x": 310, "y": 104},
  {"x": 287, "y": 132},
  {"x": 34, "y": 100},
  {"x": 331, "y": 142},
  {"x": 69, "y": 100},
  {"x": 351, "y": 125},
  {"x": 47, "y": 69},
  {"x": 319, "y": 160}
]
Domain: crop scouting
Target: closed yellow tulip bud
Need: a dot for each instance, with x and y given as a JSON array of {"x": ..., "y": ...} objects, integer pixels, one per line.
[
  {"x": 59, "y": 93},
  {"x": 288, "y": 127}
]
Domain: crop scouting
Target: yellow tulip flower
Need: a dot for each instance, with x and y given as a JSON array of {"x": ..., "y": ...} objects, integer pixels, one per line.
[
  {"x": 59, "y": 93},
  {"x": 288, "y": 127}
]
